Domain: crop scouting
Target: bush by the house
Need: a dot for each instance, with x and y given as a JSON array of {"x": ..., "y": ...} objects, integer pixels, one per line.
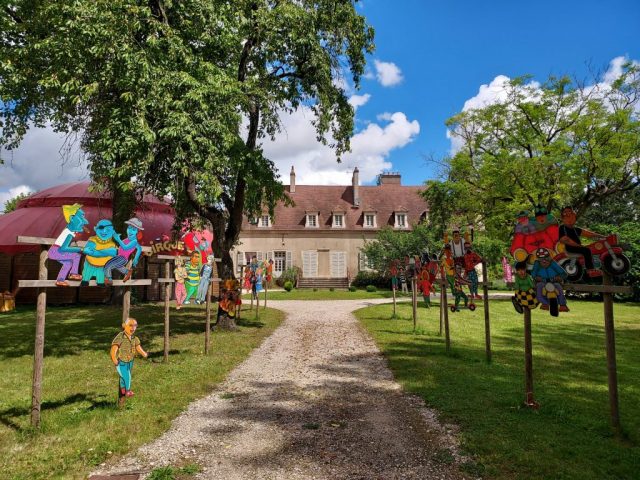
[
  {"x": 371, "y": 288},
  {"x": 289, "y": 275},
  {"x": 365, "y": 278},
  {"x": 288, "y": 285},
  {"x": 352, "y": 288}
]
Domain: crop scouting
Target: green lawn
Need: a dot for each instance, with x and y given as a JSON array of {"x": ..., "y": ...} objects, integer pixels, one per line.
[
  {"x": 569, "y": 437},
  {"x": 321, "y": 294},
  {"x": 81, "y": 427}
]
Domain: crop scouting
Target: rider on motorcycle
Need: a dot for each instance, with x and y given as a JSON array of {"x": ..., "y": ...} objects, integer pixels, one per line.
[
  {"x": 546, "y": 270},
  {"x": 570, "y": 237}
]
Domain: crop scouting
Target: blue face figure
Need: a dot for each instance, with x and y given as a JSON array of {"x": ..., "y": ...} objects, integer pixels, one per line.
[
  {"x": 104, "y": 229},
  {"x": 77, "y": 221},
  {"x": 132, "y": 233}
]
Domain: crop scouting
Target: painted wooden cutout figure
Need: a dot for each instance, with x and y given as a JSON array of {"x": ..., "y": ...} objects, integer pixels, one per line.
[
  {"x": 127, "y": 247},
  {"x": 458, "y": 292},
  {"x": 393, "y": 271},
  {"x": 205, "y": 279},
  {"x": 180, "y": 275},
  {"x": 123, "y": 350},
  {"x": 426, "y": 286},
  {"x": 448, "y": 266},
  {"x": 471, "y": 259},
  {"x": 247, "y": 278},
  {"x": 229, "y": 298},
  {"x": 62, "y": 251},
  {"x": 548, "y": 275},
  {"x": 193, "y": 276},
  {"x": 269, "y": 270},
  {"x": 98, "y": 251},
  {"x": 570, "y": 237},
  {"x": 525, "y": 296}
]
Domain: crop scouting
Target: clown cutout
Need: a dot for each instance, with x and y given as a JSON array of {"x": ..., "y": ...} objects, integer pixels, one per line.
[
  {"x": 180, "y": 274},
  {"x": 99, "y": 250},
  {"x": 193, "y": 276},
  {"x": 127, "y": 247},
  {"x": 62, "y": 251},
  {"x": 205, "y": 278}
]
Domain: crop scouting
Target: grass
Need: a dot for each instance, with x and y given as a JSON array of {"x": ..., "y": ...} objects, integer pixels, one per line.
[
  {"x": 322, "y": 294},
  {"x": 81, "y": 426},
  {"x": 569, "y": 437}
]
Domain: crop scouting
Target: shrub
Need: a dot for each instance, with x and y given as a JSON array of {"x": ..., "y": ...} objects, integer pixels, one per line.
[
  {"x": 315, "y": 289},
  {"x": 331, "y": 289},
  {"x": 291, "y": 274},
  {"x": 288, "y": 285},
  {"x": 365, "y": 278},
  {"x": 371, "y": 288},
  {"x": 352, "y": 288}
]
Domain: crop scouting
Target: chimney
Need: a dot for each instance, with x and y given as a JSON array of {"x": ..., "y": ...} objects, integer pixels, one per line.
[
  {"x": 355, "y": 181},
  {"x": 389, "y": 178},
  {"x": 292, "y": 181}
]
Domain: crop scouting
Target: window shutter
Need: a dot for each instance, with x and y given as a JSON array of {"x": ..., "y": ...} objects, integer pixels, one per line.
[
  {"x": 288, "y": 260},
  {"x": 269, "y": 256},
  {"x": 239, "y": 258},
  {"x": 260, "y": 256}
]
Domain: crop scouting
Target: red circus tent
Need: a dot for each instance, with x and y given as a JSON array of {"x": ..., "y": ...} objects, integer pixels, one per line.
[{"x": 40, "y": 215}]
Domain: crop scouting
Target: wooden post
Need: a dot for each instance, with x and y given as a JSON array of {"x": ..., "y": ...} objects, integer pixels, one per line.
[
  {"x": 207, "y": 323},
  {"x": 257, "y": 305},
  {"x": 612, "y": 372},
  {"x": 38, "y": 354},
  {"x": 251, "y": 307},
  {"x": 487, "y": 323},
  {"x": 443, "y": 305},
  {"x": 414, "y": 301},
  {"x": 126, "y": 303},
  {"x": 167, "y": 299},
  {"x": 446, "y": 316},
  {"x": 528, "y": 362},
  {"x": 393, "y": 290},
  {"x": 266, "y": 287}
]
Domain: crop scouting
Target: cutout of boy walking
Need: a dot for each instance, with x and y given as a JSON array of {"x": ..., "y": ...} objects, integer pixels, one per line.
[{"x": 123, "y": 351}]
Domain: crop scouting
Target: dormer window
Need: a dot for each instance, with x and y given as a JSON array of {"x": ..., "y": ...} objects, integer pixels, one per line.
[
  {"x": 370, "y": 220},
  {"x": 312, "y": 220},
  {"x": 337, "y": 220},
  {"x": 401, "y": 220},
  {"x": 265, "y": 221}
]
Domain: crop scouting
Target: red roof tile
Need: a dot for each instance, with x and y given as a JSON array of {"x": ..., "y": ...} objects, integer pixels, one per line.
[{"x": 383, "y": 199}]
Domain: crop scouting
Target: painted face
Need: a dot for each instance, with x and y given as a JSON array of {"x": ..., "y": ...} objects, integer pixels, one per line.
[
  {"x": 523, "y": 220},
  {"x": 130, "y": 327},
  {"x": 521, "y": 272},
  {"x": 77, "y": 221},
  {"x": 104, "y": 229},
  {"x": 456, "y": 236},
  {"x": 568, "y": 217},
  {"x": 194, "y": 258},
  {"x": 132, "y": 232}
]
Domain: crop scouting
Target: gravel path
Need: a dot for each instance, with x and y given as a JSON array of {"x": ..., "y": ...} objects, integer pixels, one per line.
[{"x": 314, "y": 401}]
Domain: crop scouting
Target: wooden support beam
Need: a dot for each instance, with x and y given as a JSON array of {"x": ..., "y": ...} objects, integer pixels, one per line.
[
  {"x": 443, "y": 301},
  {"x": 207, "y": 323},
  {"x": 487, "y": 322},
  {"x": 414, "y": 302},
  {"x": 528, "y": 362},
  {"x": 126, "y": 304},
  {"x": 167, "y": 299},
  {"x": 605, "y": 288},
  {"x": 92, "y": 283},
  {"x": 38, "y": 354},
  {"x": 612, "y": 370}
]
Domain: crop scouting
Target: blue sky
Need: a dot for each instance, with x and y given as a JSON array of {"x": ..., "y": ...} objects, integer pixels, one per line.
[
  {"x": 447, "y": 49},
  {"x": 431, "y": 57}
]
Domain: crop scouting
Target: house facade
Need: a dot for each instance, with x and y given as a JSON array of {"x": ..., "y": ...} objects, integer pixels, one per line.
[{"x": 324, "y": 231}]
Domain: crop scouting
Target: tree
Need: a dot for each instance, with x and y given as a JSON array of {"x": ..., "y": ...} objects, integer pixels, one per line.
[
  {"x": 11, "y": 204},
  {"x": 395, "y": 245},
  {"x": 159, "y": 90},
  {"x": 552, "y": 144}
]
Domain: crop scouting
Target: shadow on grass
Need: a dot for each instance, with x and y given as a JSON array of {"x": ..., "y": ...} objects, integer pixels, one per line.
[
  {"x": 70, "y": 330},
  {"x": 8, "y": 416}
]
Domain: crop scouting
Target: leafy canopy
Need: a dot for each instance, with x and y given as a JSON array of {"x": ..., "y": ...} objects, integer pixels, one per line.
[{"x": 553, "y": 144}]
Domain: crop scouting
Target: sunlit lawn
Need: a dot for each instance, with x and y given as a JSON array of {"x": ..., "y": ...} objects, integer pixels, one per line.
[
  {"x": 81, "y": 426},
  {"x": 569, "y": 437}
]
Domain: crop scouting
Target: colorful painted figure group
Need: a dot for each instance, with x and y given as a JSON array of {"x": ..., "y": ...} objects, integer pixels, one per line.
[
  {"x": 548, "y": 253},
  {"x": 104, "y": 252}
]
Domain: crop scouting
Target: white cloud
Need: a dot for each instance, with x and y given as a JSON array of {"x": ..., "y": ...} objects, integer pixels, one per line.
[
  {"x": 387, "y": 73},
  {"x": 12, "y": 193},
  {"x": 42, "y": 160},
  {"x": 315, "y": 164},
  {"x": 359, "y": 100}
]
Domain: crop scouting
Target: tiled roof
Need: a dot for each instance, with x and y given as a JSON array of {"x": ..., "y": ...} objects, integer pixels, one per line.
[{"x": 383, "y": 199}]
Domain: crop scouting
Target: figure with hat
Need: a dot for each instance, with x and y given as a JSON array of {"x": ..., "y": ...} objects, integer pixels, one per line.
[
  {"x": 126, "y": 248},
  {"x": 62, "y": 251},
  {"x": 447, "y": 265},
  {"x": 193, "y": 276},
  {"x": 98, "y": 250},
  {"x": 471, "y": 259},
  {"x": 525, "y": 296},
  {"x": 548, "y": 275}
]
